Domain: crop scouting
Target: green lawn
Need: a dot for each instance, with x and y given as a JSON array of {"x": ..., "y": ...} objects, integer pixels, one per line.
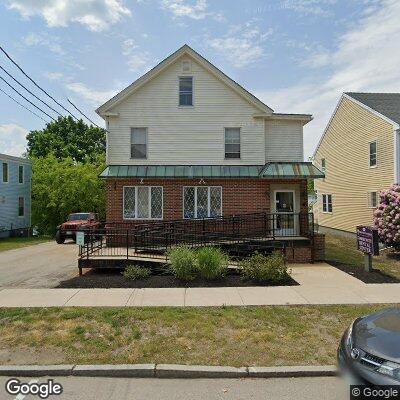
[
  {"x": 237, "y": 336},
  {"x": 16, "y": 243},
  {"x": 344, "y": 250}
]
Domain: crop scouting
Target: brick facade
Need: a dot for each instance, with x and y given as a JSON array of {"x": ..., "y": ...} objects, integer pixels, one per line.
[{"x": 239, "y": 196}]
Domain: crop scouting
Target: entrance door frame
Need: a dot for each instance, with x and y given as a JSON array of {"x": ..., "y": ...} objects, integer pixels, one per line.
[{"x": 295, "y": 224}]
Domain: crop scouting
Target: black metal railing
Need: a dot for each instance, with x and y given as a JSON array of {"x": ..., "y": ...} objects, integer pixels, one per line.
[{"x": 152, "y": 239}]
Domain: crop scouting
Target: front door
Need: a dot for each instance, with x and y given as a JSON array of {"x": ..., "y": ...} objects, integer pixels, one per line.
[{"x": 285, "y": 224}]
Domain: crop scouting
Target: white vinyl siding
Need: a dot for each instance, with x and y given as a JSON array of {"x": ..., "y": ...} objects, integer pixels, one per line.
[
  {"x": 185, "y": 135},
  {"x": 202, "y": 201},
  {"x": 283, "y": 141},
  {"x": 143, "y": 202}
]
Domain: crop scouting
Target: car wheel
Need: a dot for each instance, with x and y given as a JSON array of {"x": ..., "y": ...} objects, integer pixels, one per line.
[{"x": 60, "y": 239}]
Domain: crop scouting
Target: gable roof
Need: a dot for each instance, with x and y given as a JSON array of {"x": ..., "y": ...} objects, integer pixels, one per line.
[
  {"x": 184, "y": 50},
  {"x": 387, "y": 104}
]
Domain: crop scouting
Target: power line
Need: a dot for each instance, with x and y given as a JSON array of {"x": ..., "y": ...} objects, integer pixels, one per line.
[
  {"x": 33, "y": 94},
  {"x": 47, "y": 94},
  {"x": 80, "y": 112},
  {"x": 34, "y": 105},
  {"x": 26, "y": 108}
]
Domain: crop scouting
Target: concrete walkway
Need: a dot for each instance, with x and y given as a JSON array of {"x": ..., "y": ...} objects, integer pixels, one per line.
[{"x": 319, "y": 284}]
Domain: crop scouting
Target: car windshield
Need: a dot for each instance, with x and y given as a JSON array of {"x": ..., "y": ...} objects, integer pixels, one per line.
[{"x": 79, "y": 216}]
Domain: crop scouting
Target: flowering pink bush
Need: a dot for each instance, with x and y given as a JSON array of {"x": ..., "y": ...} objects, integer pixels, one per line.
[{"x": 387, "y": 216}]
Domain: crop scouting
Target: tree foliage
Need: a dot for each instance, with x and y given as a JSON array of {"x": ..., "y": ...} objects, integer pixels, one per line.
[
  {"x": 387, "y": 216},
  {"x": 67, "y": 138},
  {"x": 60, "y": 187}
]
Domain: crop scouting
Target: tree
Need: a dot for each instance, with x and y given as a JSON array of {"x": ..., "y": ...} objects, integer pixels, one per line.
[
  {"x": 387, "y": 216},
  {"x": 67, "y": 138},
  {"x": 60, "y": 187}
]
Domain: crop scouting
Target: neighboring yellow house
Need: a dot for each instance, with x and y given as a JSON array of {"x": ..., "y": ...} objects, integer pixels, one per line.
[{"x": 359, "y": 153}]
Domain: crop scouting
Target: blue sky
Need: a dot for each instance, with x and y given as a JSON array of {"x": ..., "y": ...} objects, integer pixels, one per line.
[{"x": 295, "y": 55}]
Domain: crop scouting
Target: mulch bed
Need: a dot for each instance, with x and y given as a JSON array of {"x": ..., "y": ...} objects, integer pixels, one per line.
[
  {"x": 375, "y": 276},
  {"x": 112, "y": 278}
]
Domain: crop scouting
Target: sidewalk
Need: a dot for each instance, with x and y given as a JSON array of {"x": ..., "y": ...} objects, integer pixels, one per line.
[{"x": 318, "y": 284}]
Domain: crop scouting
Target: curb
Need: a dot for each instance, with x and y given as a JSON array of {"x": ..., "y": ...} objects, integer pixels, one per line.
[{"x": 166, "y": 371}]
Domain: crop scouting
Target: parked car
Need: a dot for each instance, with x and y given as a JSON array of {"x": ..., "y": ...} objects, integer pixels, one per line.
[
  {"x": 369, "y": 352},
  {"x": 75, "y": 222}
]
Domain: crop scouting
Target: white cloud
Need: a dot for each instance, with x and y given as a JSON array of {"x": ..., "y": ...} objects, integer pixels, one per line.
[
  {"x": 242, "y": 45},
  {"x": 96, "y": 15},
  {"x": 54, "y": 76},
  {"x": 308, "y": 7},
  {"x": 51, "y": 42},
  {"x": 195, "y": 9},
  {"x": 139, "y": 62},
  {"x": 128, "y": 46},
  {"x": 93, "y": 97},
  {"x": 13, "y": 139},
  {"x": 366, "y": 59}
]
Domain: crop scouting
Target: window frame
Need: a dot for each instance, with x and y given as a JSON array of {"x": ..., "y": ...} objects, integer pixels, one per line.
[
  {"x": 23, "y": 174},
  {"x": 132, "y": 144},
  {"x": 195, "y": 200},
  {"x": 136, "y": 203},
  {"x": 327, "y": 211},
  {"x": 323, "y": 165},
  {"x": 23, "y": 207},
  {"x": 8, "y": 172},
  {"x": 376, "y": 153},
  {"x": 179, "y": 91},
  {"x": 369, "y": 199},
  {"x": 240, "y": 143}
]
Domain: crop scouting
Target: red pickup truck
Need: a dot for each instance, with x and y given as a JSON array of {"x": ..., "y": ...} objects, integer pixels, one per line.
[{"x": 75, "y": 222}]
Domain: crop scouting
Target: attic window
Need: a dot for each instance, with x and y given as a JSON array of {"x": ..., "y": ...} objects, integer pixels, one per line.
[
  {"x": 186, "y": 66},
  {"x": 186, "y": 91}
]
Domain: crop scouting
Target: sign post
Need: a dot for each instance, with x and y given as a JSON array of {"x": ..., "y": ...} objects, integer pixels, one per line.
[{"x": 368, "y": 243}]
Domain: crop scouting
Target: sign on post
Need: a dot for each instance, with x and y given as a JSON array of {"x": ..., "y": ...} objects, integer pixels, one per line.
[
  {"x": 368, "y": 243},
  {"x": 80, "y": 238}
]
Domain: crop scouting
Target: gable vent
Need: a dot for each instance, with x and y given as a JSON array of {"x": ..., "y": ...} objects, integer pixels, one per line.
[{"x": 186, "y": 66}]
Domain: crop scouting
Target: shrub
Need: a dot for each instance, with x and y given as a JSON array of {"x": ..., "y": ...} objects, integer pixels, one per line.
[
  {"x": 212, "y": 263},
  {"x": 183, "y": 263},
  {"x": 387, "y": 216},
  {"x": 262, "y": 268},
  {"x": 135, "y": 272}
]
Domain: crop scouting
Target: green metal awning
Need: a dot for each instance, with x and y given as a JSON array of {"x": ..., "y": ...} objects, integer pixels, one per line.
[
  {"x": 270, "y": 170},
  {"x": 291, "y": 170},
  {"x": 181, "y": 171}
]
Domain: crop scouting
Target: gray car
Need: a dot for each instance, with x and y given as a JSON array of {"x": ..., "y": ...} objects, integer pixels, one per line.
[{"x": 370, "y": 349}]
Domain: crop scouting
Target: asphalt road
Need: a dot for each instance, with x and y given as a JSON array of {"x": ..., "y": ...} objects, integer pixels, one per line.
[
  {"x": 38, "y": 266},
  {"x": 192, "y": 389}
]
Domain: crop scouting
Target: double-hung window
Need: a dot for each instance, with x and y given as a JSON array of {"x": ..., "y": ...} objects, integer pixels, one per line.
[
  {"x": 5, "y": 172},
  {"x": 202, "y": 202},
  {"x": 372, "y": 199},
  {"x": 186, "y": 91},
  {"x": 372, "y": 154},
  {"x": 138, "y": 142},
  {"x": 21, "y": 206},
  {"x": 327, "y": 203},
  {"x": 20, "y": 174},
  {"x": 323, "y": 165},
  {"x": 232, "y": 142},
  {"x": 143, "y": 202}
]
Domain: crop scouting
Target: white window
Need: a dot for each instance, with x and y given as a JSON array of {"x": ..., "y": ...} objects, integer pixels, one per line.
[
  {"x": 232, "y": 142},
  {"x": 202, "y": 202},
  {"x": 323, "y": 164},
  {"x": 21, "y": 206},
  {"x": 372, "y": 199},
  {"x": 143, "y": 202},
  {"x": 372, "y": 154},
  {"x": 138, "y": 142},
  {"x": 5, "y": 172},
  {"x": 20, "y": 174},
  {"x": 327, "y": 203},
  {"x": 186, "y": 91}
]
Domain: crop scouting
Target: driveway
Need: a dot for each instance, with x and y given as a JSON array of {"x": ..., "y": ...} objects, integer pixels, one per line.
[{"x": 39, "y": 266}]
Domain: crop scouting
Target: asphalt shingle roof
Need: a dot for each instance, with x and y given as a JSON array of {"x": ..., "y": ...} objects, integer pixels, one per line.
[{"x": 387, "y": 104}]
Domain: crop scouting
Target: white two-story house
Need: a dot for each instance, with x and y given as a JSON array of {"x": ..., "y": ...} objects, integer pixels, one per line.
[{"x": 186, "y": 141}]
